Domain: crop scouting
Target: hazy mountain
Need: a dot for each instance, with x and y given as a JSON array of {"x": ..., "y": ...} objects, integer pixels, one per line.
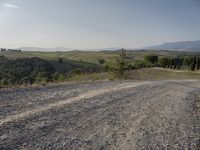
[
  {"x": 107, "y": 49},
  {"x": 65, "y": 49},
  {"x": 45, "y": 49},
  {"x": 193, "y": 46}
]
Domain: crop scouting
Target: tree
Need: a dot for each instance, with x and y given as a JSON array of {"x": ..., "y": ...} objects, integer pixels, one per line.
[
  {"x": 198, "y": 63},
  {"x": 163, "y": 62},
  {"x": 171, "y": 63},
  {"x": 193, "y": 65},
  {"x": 101, "y": 61},
  {"x": 179, "y": 63},
  {"x": 151, "y": 58},
  {"x": 168, "y": 63},
  {"x": 60, "y": 60},
  {"x": 121, "y": 65}
]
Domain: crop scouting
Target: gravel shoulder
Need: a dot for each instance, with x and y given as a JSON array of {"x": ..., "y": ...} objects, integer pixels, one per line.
[{"x": 104, "y": 115}]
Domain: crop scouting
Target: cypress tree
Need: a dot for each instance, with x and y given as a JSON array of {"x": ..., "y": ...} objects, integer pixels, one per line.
[
  {"x": 171, "y": 63},
  {"x": 179, "y": 63},
  {"x": 175, "y": 63},
  {"x": 198, "y": 63},
  {"x": 193, "y": 65},
  {"x": 167, "y": 63}
]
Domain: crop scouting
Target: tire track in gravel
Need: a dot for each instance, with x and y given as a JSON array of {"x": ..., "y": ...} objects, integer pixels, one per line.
[{"x": 87, "y": 95}]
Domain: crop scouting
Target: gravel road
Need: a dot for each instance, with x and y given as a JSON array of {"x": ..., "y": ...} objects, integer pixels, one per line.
[{"x": 102, "y": 115}]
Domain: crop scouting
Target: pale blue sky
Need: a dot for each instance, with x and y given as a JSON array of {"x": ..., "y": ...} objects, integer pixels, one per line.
[{"x": 97, "y": 23}]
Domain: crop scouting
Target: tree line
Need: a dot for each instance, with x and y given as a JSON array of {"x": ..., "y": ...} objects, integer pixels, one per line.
[
  {"x": 191, "y": 63},
  {"x": 10, "y": 50}
]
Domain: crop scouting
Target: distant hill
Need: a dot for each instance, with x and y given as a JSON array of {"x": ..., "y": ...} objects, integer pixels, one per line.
[
  {"x": 66, "y": 49},
  {"x": 45, "y": 49},
  {"x": 191, "y": 46}
]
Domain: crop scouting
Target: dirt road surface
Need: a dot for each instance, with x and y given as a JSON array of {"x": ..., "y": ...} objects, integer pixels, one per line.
[{"x": 102, "y": 115}]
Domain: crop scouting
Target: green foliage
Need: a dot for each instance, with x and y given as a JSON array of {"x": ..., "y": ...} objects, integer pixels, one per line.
[
  {"x": 60, "y": 60},
  {"x": 163, "y": 62},
  {"x": 75, "y": 72},
  {"x": 69, "y": 65},
  {"x": 36, "y": 70},
  {"x": 41, "y": 78},
  {"x": 173, "y": 63},
  {"x": 101, "y": 61},
  {"x": 188, "y": 61},
  {"x": 198, "y": 63},
  {"x": 139, "y": 65},
  {"x": 61, "y": 78},
  {"x": 151, "y": 58},
  {"x": 25, "y": 71},
  {"x": 121, "y": 65},
  {"x": 193, "y": 64}
]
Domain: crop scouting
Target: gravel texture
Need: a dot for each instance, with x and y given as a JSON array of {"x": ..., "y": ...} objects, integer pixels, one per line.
[{"x": 102, "y": 115}]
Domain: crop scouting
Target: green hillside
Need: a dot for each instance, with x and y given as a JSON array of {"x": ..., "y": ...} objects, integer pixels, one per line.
[{"x": 93, "y": 56}]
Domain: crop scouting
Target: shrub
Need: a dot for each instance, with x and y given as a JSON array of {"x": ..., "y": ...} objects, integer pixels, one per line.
[
  {"x": 151, "y": 58},
  {"x": 121, "y": 65},
  {"x": 60, "y": 60},
  {"x": 61, "y": 78},
  {"x": 101, "y": 61}
]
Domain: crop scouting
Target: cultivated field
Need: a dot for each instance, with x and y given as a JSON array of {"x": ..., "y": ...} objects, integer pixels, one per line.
[{"x": 102, "y": 115}]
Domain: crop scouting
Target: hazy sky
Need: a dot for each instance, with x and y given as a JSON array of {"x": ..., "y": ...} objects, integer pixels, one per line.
[{"x": 97, "y": 23}]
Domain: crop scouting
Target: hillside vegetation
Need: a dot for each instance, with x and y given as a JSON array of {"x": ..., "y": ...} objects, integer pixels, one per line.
[
  {"x": 17, "y": 68},
  {"x": 36, "y": 70},
  {"x": 93, "y": 57}
]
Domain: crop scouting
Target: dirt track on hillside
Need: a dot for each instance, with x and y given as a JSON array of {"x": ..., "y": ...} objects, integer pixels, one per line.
[{"x": 103, "y": 115}]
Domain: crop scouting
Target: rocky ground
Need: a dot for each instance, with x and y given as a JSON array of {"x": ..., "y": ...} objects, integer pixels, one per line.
[{"x": 102, "y": 115}]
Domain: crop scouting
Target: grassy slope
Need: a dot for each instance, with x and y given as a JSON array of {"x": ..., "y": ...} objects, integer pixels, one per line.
[
  {"x": 74, "y": 57},
  {"x": 161, "y": 74},
  {"x": 141, "y": 74}
]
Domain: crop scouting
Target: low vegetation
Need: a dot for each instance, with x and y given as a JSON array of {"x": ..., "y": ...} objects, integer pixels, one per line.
[
  {"x": 24, "y": 71},
  {"x": 41, "y": 68},
  {"x": 33, "y": 70},
  {"x": 161, "y": 74}
]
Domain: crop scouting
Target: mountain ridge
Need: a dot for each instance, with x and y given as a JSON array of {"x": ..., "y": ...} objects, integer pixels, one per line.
[{"x": 190, "y": 46}]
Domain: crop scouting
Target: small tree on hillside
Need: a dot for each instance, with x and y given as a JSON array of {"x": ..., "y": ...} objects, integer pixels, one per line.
[{"x": 121, "y": 65}]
